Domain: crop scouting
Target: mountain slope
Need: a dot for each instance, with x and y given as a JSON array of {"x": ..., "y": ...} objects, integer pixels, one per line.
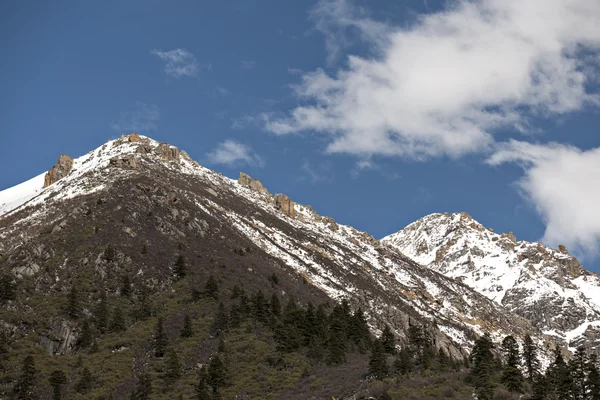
[{"x": 548, "y": 287}]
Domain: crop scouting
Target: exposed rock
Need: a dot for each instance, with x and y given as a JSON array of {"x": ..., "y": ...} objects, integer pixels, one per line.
[
  {"x": 124, "y": 162},
  {"x": 563, "y": 249},
  {"x": 134, "y": 137},
  {"x": 183, "y": 154},
  {"x": 251, "y": 183},
  {"x": 285, "y": 204},
  {"x": 167, "y": 152},
  {"x": 63, "y": 166},
  {"x": 61, "y": 340},
  {"x": 144, "y": 149}
]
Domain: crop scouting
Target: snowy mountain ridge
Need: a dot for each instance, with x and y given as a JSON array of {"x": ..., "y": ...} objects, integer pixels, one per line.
[{"x": 547, "y": 286}]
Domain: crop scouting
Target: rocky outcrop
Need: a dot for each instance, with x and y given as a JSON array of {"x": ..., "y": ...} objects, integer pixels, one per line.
[
  {"x": 167, "y": 152},
  {"x": 123, "y": 162},
  {"x": 285, "y": 204},
  {"x": 63, "y": 166},
  {"x": 251, "y": 183}
]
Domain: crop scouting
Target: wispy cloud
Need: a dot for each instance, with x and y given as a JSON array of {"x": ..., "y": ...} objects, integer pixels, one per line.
[
  {"x": 231, "y": 153},
  {"x": 247, "y": 64},
  {"x": 562, "y": 183},
  {"x": 179, "y": 62},
  {"x": 143, "y": 117},
  {"x": 444, "y": 85}
]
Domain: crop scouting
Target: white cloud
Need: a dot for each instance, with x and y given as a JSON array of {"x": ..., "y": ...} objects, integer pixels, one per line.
[
  {"x": 444, "y": 85},
  {"x": 142, "y": 118},
  {"x": 562, "y": 182},
  {"x": 233, "y": 153},
  {"x": 247, "y": 64},
  {"x": 180, "y": 62}
]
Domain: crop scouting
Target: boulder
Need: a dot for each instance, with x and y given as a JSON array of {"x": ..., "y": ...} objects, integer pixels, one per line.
[
  {"x": 63, "y": 166},
  {"x": 251, "y": 183},
  {"x": 167, "y": 152},
  {"x": 123, "y": 162}
]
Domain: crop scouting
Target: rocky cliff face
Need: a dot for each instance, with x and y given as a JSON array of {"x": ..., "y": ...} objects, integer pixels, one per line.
[
  {"x": 136, "y": 192},
  {"x": 62, "y": 167},
  {"x": 549, "y": 287}
]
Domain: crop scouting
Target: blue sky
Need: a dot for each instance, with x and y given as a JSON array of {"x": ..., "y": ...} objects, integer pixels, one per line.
[{"x": 376, "y": 113}]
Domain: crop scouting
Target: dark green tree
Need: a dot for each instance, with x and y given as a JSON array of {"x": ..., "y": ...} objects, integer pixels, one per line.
[
  {"x": 118, "y": 322},
  {"x": 109, "y": 253},
  {"x": 443, "y": 360},
  {"x": 275, "y": 306},
  {"x": 126, "y": 286},
  {"x": 482, "y": 368},
  {"x": 203, "y": 391},
  {"x": 86, "y": 338},
  {"x": 403, "y": 363},
  {"x": 160, "y": 339},
  {"x": 290, "y": 332},
  {"x": 236, "y": 291},
  {"x": 25, "y": 388},
  {"x": 172, "y": 367},
  {"x": 337, "y": 343},
  {"x": 512, "y": 377},
  {"x": 101, "y": 313},
  {"x": 593, "y": 378},
  {"x": 85, "y": 382},
  {"x": 73, "y": 307},
  {"x": 57, "y": 380},
  {"x": 260, "y": 307},
  {"x": 559, "y": 377},
  {"x": 187, "y": 330},
  {"x": 211, "y": 289},
  {"x": 217, "y": 374},
  {"x": 388, "y": 340},
  {"x": 235, "y": 316},
  {"x": 143, "y": 387},
  {"x": 359, "y": 333},
  {"x": 378, "y": 367},
  {"x": 578, "y": 366},
  {"x": 7, "y": 288},
  {"x": 220, "y": 321},
  {"x": 530, "y": 358},
  {"x": 539, "y": 387},
  {"x": 180, "y": 268}
]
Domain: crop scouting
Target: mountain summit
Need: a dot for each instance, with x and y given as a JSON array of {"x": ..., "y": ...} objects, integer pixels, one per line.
[{"x": 547, "y": 286}]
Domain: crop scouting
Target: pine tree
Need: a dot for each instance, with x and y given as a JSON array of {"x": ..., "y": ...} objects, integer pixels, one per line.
[
  {"x": 236, "y": 291},
  {"x": 109, "y": 253},
  {"x": 377, "y": 362},
  {"x": 578, "y": 369},
  {"x": 187, "y": 330},
  {"x": 512, "y": 377},
  {"x": 57, "y": 379},
  {"x": 275, "y": 306},
  {"x": 359, "y": 331},
  {"x": 220, "y": 321},
  {"x": 25, "y": 387},
  {"x": 403, "y": 363},
  {"x": 539, "y": 387},
  {"x": 172, "y": 367},
  {"x": 530, "y": 358},
  {"x": 85, "y": 382},
  {"x": 180, "y": 269},
  {"x": 482, "y": 364},
  {"x": 7, "y": 288},
  {"x": 308, "y": 324},
  {"x": 73, "y": 306},
  {"x": 160, "y": 339},
  {"x": 211, "y": 289},
  {"x": 143, "y": 387},
  {"x": 202, "y": 390},
  {"x": 559, "y": 377},
  {"x": 388, "y": 340},
  {"x": 126, "y": 287},
  {"x": 217, "y": 375},
  {"x": 101, "y": 313},
  {"x": 86, "y": 338},
  {"x": 289, "y": 333},
  {"x": 260, "y": 308},
  {"x": 118, "y": 322},
  {"x": 235, "y": 316},
  {"x": 337, "y": 338},
  {"x": 592, "y": 382}
]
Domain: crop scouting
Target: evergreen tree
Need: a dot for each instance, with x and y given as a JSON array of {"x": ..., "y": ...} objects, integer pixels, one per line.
[
  {"x": 260, "y": 307},
  {"x": 7, "y": 288},
  {"x": 443, "y": 360},
  {"x": 235, "y": 316},
  {"x": 403, "y": 363},
  {"x": 143, "y": 387},
  {"x": 337, "y": 338},
  {"x": 172, "y": 367},
  {"x": 180, "y": 269},
  {"x": 308, "y": 326},
  {"x": 101, "y": 313},
  {"x": 578, "y": 366},
  {"x": 236, "y": 292},
  {"x": 377, "y": 362},
  {"x": 359, "y": 331},
  {"x": 530, "y": 358},
  {"x": 187, "y": 330},
  {"x": 539, "y": 387},
  {"x": 289, "y": 333},
  {"x": 592, "y": 382},
  {"x": 160, "y": 339},
  {"x": 85, "y": 382},
  {"x": 202, "y": 390},
  {"x": 275, "y": 306},
  {"x": 221, "y": 346},
  {"x": 388, "y": 340},
  {"x": 482, "y": 365},
  {"x": 25, "y": 388},
  {"x": 86, "y": 338},
  {"x": 217, "y": 375},
  {"x": 211, "y": 289},
  {"x": 512, "y": 377},
  {"x": 118, "y": 322},
  {"x": 126, "y": 287},
  {"x": 109, "y": 253},
  {"x": 57, "y": 380},
  {"x": 559, "y": 377},
  {"x": 220, "y": 321},
  {"x": 73, "y": 306}
]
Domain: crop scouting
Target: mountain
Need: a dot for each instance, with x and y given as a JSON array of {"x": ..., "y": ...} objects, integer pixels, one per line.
[
  {"x": 137, "y": 211},
  {"x": 548, "y": 287}
]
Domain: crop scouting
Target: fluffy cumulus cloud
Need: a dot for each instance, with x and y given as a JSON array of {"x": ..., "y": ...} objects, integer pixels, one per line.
[
  {"x": 444, "y": 85},
  {"x": 143, "y": 118},
  {"x": 179, "y": 62},
  {"x": 231, "y": 152},
  {"x": 562, "y": 182}
]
